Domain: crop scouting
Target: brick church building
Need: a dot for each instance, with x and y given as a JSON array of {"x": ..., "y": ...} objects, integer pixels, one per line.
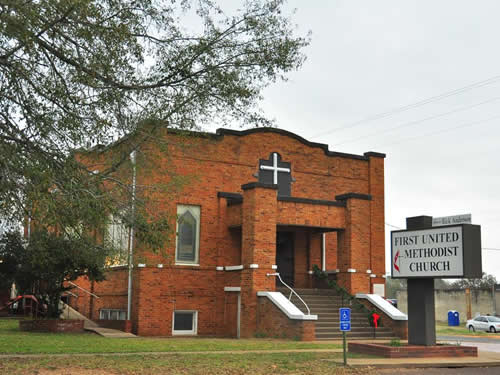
[{"x": 262, "y": 201}]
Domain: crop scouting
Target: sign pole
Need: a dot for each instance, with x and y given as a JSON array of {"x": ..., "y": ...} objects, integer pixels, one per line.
[
  {"x": 345, "y": 325},
  {"x": 345, "y": 347},
  {"x": 421, "y": 305}
]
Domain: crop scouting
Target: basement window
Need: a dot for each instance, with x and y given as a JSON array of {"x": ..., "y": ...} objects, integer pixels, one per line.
[
  {"x": 112, "y": 314},
  {"x": 185, "y": 322}
]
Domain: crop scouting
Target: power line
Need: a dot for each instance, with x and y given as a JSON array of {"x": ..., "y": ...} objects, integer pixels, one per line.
[
  {"x": 410, "y": 123},
  {"x": 390, "y": 225},
  {"x": 439, "y": 132},
  {"x": 413, "y": 105}
]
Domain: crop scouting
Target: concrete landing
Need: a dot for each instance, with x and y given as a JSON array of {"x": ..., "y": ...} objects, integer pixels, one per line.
[
  {"x": 89, "y": 325},
  {"x": 70, "y": 313},
  {"x": 109, "y": 332}
]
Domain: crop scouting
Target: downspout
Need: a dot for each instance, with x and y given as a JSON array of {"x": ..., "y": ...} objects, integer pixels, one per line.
[
  {"x": 323, "y": 252},
  {"x": 131, "y": 239}
]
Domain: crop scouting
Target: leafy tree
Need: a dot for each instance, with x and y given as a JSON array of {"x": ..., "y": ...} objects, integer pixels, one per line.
[
  {"x": 46, "y": 262},
  {"x": 441, "y": 284},
  {"x": 485, "y": 282},
  {"x": 393, "y": 285},
  {"x": 89, "y": 72}
]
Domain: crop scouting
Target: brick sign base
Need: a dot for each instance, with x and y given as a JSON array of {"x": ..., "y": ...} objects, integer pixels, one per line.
[
  {"x": 51, "y": 325},
  {"x": 411, "y": 351}
]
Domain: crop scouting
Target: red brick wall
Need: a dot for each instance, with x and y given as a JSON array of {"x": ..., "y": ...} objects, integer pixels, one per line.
[
  {"x": 377, "y": 219},
  {"x": 51, "y": 325},
  {"x": 112, "y": 293},
  {"x": 230, "y": 314},
  {"x": 258, "y": 247},
  {"x": 399, "y": 327},
  {"x": 121, "y": 325},
  {"x": 214, "y": 164},
  {"x": 272, "y": 322}
]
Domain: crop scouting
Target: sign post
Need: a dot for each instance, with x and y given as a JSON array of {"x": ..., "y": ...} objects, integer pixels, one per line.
[
  {"x": 345, "y": 325},
  {"x": 423, "y": 252}
]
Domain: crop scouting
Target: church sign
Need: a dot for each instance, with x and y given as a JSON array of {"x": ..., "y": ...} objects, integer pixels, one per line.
[
  {"x": 452, "y": 251},
  {"x": 449, "y": 220}
]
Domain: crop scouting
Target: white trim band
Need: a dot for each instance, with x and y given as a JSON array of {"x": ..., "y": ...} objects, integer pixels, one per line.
[
  {"x": 368, "y": 271},
  {"x": 142, "y": 265},
  {"x": 352, "y": 270},
  {"x": 219, "y": 268},
  {"x": 253, "y": 265},
  {"x": 274, "y": 267},
  {"x": 383, "y": 305},
  {"x": 234, "y": 268},
  {"x": 373, "y": 275},
  {"x": 232, "y": 289},
  {"x": 159, "y": 265},
  {"x": 290, "y": 310}
]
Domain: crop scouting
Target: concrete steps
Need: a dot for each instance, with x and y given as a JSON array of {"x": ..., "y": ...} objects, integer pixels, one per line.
[
  {"x": 69, "y": 313},
  {"x": 326, "y": 304}
]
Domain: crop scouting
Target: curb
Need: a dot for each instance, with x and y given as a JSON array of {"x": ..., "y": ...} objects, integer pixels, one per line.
[{"x": 419, "y": 364}]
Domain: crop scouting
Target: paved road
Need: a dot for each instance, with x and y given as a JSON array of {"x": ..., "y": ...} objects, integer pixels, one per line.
[
  {"x": 493, "y": 339},
  {"x": 489, "y": 344}
]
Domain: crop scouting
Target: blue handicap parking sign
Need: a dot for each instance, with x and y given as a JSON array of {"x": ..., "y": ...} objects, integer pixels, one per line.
[
  {"x": 345, "y": 314},
  {"x": 345, "y": 319}
]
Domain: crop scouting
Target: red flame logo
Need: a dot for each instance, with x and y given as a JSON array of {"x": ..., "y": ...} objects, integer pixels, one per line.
[{"x": 396, "y": 267}]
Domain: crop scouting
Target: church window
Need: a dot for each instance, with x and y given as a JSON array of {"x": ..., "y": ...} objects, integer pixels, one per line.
[
  {"x": 188, "y": 234},
  {"x": 185, "y": 322},
  {"x": 117, "y": 237}
]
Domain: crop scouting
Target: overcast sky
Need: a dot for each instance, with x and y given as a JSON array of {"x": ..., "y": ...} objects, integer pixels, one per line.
[{"x": 368, "y": 58}]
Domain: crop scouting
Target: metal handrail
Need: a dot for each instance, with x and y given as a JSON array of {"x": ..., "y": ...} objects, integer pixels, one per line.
[
  {"x": 291, "y": 291},
  {"x": 85, "y": 290}
]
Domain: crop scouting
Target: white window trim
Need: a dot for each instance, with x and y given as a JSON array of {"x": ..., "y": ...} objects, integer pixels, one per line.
[
  {"x": 192, "y": 332},
  {"x": 196, "y": 261}
]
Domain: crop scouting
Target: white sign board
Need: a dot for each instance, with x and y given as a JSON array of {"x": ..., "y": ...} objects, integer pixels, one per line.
[
  {"x": 436, "y": 252},
  {"x": 450, "y": 220}
]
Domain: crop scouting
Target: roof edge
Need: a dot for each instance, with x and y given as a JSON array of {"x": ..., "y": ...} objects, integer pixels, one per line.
[{"x": 240, "y": 133}]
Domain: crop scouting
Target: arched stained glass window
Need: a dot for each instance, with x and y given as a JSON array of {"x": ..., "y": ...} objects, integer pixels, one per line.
[{"x": 187, "y": 234}]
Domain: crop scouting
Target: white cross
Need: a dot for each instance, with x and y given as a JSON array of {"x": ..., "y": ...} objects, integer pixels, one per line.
[{"x": 275, "y": 168}]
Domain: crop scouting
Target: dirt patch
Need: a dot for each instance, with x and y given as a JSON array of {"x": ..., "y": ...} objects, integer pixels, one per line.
[{"x": 74, "y": 371}]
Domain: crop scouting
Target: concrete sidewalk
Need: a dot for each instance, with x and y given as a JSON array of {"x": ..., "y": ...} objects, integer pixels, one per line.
[
  {"x": 484, "y": 359},
  {"x": 237, "y": 352}
]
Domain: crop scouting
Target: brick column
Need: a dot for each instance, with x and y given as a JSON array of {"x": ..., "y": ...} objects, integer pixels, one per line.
[
  {"x": 354, "y": 244},
  {"x": 377, "y": 222},
  {"x": 258, "y": 248}
]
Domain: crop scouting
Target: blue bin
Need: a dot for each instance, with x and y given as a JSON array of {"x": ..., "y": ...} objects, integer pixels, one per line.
[{"x": 453, "y": 318}]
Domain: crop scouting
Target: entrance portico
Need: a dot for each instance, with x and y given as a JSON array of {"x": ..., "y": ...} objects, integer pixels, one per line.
[{"x": 285, "y": 234}]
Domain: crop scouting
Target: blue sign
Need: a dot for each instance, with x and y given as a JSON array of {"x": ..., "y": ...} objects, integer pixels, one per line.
[
  {"x": 345, "y": 319},
  {"x": 345, "y": 326},
  {"x": 345, "y": 314}
]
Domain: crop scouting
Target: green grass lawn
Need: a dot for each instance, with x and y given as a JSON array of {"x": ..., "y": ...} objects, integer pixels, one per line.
[
  {"x": 12, "y": 340},
  {"x": 255, "y": 364},
  {"x": 445, "y": 330}
]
